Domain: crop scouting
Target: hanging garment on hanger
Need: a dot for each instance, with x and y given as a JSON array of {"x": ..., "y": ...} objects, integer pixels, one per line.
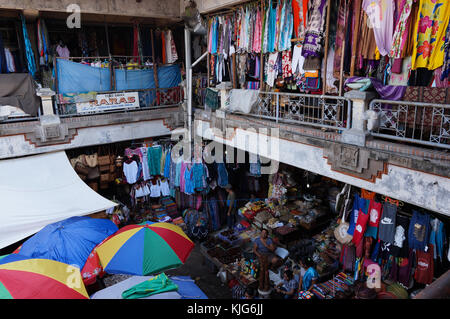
[
  {"x": 425, "y": 266},
  {"x": 312, "y": 45},
  {"x": 11, "y": 67},
  {"x": 429, "y": 36},
  {"x": 437, "y": 238},
  {"x": 183, "y": 176},
  {"x": 164, "y": 185},
  {"x": 386, "y": 231},
  {"x": 258, "y": 32},
  {"x": 381, "y": 16},
  {"x": 130, "y": 171},
  {"x": 154, "y": 160},
  {"x": 145, "y": 167},
  {"x": 419, "y": 231},
  {"x": 28, "y": 49},
  {"x": 287, "y": 64},
  {"x": 298, "y": 60},
  {"x": 400, "y": 247},
  {"x": 287, "y": 27},
  {"x": 189, "y": 187},
  {"x": 271, "y": 69},
  {"x": 401, "y": 30},
  {"x": 155, "y": 189},
  {"x": 446, "y": 66}
]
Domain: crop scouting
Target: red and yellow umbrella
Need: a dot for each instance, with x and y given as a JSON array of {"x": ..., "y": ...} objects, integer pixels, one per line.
[
  {"x": 23, "y": 278},
  {"x": 145, "y": 249}
]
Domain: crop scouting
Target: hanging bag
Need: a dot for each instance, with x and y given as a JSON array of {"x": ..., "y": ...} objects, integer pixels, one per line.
[
  {"x": 340, "y": 232},
  {"x": 91, "y": 160}
]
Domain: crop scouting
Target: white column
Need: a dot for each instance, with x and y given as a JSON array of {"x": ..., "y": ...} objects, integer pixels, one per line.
[{"x": 360, "y": 103}]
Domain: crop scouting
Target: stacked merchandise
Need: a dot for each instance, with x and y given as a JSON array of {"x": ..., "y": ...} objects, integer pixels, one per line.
[
  {"x": 170, "y": 207},
  {"x": 341, "y": 283}
]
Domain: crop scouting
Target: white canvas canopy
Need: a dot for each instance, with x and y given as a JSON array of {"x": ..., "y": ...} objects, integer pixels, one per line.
[{"x": 39, "y": 190}]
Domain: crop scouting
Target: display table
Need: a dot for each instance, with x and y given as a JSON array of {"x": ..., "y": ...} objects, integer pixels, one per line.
[{"x": 244, "y": 280}]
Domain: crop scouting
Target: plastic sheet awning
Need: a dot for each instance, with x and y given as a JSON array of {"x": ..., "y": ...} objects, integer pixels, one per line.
[{"x": 39, "y": 190}]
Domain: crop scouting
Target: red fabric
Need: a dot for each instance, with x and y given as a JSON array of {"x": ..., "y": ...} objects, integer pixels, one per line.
[
  {"x": 28, "y": 285},
  {"x": 374, "y": 213},
  {"x": 92, "y": 268},
  {"x": 296, "y": 13},
  {"x": 425, "y": 266},
  {"x": 360, "y": 227}
]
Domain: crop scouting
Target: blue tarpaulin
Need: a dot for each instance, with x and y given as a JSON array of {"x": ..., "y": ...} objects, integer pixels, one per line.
[{"x": 78, "y": 78}]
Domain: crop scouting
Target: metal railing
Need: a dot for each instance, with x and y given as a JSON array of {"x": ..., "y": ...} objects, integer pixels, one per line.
[
  {"x": 323, "y": 111},
  {"x": 415, "y": 122},
  {"x": 148, "y": 99}
]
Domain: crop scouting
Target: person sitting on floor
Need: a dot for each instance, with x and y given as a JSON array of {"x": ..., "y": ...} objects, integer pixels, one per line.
[
  {"x": 288, "y": 287},
  {"x": 311, "y": 275}
]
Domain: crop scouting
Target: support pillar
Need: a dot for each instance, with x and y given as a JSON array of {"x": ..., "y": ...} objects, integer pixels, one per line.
[{"x": 358, "y": 133}]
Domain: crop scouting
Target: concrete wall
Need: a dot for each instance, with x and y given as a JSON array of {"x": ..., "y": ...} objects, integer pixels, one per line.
[
  {"x": 146, "y": 8},
  {"x": 429, "y": 191},
  {"x": 17, "y": 145},
  {"x": 205, "y": 6}
]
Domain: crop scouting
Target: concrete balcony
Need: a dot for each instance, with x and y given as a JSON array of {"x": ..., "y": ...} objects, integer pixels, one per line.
[
  {"x": 50, "y": 132},
  {"x": 330, "y": 136}
]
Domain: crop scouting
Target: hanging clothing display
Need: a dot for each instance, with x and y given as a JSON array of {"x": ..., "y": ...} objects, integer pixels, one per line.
[
  {"x": 381, "y": 16},
  {"x": 429, "y": 35},
  {"x": 312, "y": 45},
  {"x": 401, "y": 30}
]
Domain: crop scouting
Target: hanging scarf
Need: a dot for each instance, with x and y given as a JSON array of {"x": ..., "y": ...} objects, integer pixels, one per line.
[
  {"x": 28, "y": 49},
  {"x": 312, "y": 46},
  {"x": 258, "y": 32},
  {"x": 401, "y": 31}
]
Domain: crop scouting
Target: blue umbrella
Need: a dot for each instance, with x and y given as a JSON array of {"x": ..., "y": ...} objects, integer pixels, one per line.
[{"x": 69, "y": 241}]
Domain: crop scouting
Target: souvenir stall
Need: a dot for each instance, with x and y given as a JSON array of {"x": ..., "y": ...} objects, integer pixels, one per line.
[
  {"x": 391, "y": 249},
  {"x": 271, "y": 45},
  {"x": 328, "y": 47}
]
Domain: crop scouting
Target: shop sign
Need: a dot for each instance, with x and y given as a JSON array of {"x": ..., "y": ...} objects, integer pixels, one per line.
[{"x": 107, "y": 102}]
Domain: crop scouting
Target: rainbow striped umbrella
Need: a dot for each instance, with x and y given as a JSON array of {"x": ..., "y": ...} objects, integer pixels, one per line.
[
  {"x": 145, "y": 249},
  {"x": 24, "y": 278}
]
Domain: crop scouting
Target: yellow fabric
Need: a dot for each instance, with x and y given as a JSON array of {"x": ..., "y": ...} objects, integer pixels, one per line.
[
  {"x": 51, "y": 269},
  {"x": 377, "y": 54},
  {"x": 312, "y": 74},
  {"x": 429, "y": 34},
  {"x": 108, "y": 249},
  {"x": 171, "y": 227}
]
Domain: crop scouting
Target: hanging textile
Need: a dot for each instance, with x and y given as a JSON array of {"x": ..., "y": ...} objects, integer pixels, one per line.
[
  {"x": 287, "y": 26},
  {"x": 381, "y": 15},
  {"x": 28, "y": 49},
  {"x": 258, "y": 32},
  {"x": 272, "y": 28},
  {"x": 300, "y": 17},
  {"x": 312, "y": 45},
  {"x": 136, "y": 42},
  {"x": 401, "y": 31},
  {"x": 446, "y": 66},
  {"x": 429, "y": 34}
]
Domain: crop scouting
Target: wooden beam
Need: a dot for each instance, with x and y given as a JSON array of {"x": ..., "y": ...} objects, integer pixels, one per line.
[{"x": 325, "y": 59}]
